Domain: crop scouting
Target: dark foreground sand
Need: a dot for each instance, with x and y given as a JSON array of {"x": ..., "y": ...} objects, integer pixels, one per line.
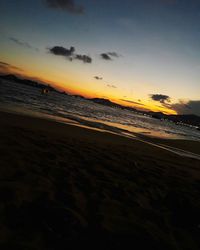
[{"x": 62, "y": 186}]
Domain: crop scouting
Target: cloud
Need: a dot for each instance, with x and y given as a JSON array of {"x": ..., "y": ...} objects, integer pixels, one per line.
[
  {"x": 109, "y": 55},
  {"x": 160, "y": 98},
  {"x": 22, "y": 43},
  {"x": 6, "y": 68},
  {"x": 105, "y": 56},
  {"x": 111, "y": 86},
  {"x": 189, "y": 107},
  {"x": 98, "y": 78},
  {"x": 69, "y": 54},
  {"x": 181, "y": 107},
  {"x": 61, "y": 51},
  {"x": 84, "y": 58},
  {"x": 129, "y": 101},
  {"x": 65, "y": 5},
  {"x": 4, "y": 64}
]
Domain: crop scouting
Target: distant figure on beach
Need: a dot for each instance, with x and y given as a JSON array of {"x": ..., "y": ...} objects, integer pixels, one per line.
[{"x": 45, "y": 91}]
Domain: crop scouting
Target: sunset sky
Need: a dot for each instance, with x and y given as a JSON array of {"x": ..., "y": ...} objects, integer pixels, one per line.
[{"x": 140, "y": 53}]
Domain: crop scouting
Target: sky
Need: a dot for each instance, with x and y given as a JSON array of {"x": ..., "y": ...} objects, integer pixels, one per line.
[{"x": 139, "y": 53}]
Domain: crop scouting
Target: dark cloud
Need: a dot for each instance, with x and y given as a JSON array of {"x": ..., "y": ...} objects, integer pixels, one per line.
[
  {"x": 160, "y": 98},
  {"x": 129, "y": 101},
  {"x": 109, "y": 55},
  {"x": 22, "y": 43},
  {"x": 98, "y": 78},
  {"x": 61, "y": 51},
  {"x": 69, "y": 54},
  {"x": 65, "y": 5},
  {"x": 181, "y": 107},
  {"x": 111, "y": 86},
  {"x": 84, "y": 58},
  {"x": 105, "y": 56},
  {"x": 189, "y": 107}
]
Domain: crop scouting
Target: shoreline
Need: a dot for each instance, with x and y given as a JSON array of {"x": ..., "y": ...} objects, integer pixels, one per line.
[
  {"x": 91, "y": 123},
  {"x": 182, "y": 147}
]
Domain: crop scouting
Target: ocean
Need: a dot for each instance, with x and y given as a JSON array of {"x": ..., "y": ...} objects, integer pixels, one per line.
[{"x": 15, "y": 97}]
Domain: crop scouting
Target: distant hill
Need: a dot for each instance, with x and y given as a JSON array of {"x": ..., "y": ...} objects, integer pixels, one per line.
[
  {"x": 188, "y": 119},
  {"x": 107, "y": 102},
  {"x": 185, "y": 119},
  {"x": 26, "y": 82}
]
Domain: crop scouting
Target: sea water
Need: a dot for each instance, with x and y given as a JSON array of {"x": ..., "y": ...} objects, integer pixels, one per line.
[{"x": 26, "y": 99}]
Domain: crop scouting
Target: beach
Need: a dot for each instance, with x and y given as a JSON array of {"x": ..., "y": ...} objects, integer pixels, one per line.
[{"x": 63, "y": 185}]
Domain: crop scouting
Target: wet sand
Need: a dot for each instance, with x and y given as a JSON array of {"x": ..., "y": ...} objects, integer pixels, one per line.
[
  {"x": 191, "y": 146},
  {"x": 63, "y": 186}
]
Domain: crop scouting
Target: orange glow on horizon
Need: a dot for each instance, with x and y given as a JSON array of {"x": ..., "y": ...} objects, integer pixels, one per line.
[
  {"x": 77, "y": 90},
  {"x": 148, "y": 107}
]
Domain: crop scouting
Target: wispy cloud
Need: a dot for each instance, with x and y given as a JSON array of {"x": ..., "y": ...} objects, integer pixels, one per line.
[
  {"x": 98, "y": 78},
  {"x": 65, "y": 5},
  {"x": 84, "y": 58},
  {"x": 113, "y": 54},
  {"x": 111, "y": 86},
  {"x": 22, "y": 43},
  {"x": 6, "y": 68},
  {"x": 133, "y": 102}
]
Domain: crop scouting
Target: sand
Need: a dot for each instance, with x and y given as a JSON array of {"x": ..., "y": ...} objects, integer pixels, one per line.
[{"x": 63, "y": 186}]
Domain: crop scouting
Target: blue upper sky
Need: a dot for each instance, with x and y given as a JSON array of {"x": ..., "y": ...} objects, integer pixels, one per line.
[{"x": 156, "y": 45}]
